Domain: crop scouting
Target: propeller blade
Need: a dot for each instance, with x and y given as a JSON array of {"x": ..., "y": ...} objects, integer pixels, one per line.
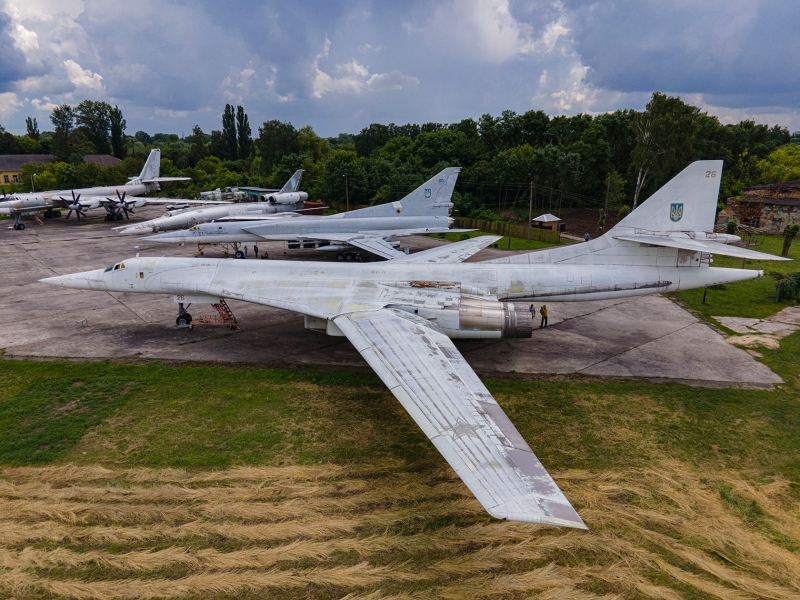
[{"x": 69, "y": 214}]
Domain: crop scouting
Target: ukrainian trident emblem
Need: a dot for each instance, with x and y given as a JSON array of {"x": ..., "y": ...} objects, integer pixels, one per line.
[
  {"x": 676, "y": 212},
  {"x": 427, "y": 192}
]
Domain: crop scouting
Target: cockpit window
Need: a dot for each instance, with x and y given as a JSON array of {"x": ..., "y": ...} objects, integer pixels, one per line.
[
  {"x": 193, "y": 228},
  {"x": 108, "y": 269}
]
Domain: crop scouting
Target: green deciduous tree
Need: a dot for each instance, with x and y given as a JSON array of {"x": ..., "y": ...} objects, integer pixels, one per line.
[
  {"x": 63, "y": 119},
  {"x": 664, "y": 134},
  {"x": 117, "y": 124},
  {"x": 198, "y": 150},
  {"x": 275, "y": 139},
  {"x": 229, "y": 133},
  {"x": 95, "y": 123},
  {"x": 243, "y": 133},
  {"x": 32, "y": 127}
]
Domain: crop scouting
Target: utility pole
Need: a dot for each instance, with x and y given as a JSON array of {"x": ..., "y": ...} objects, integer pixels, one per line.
[
  {"x": 530, "y": 212},
  {"x": 346, "y": 191},
  {"x": 32, "y": 188}
]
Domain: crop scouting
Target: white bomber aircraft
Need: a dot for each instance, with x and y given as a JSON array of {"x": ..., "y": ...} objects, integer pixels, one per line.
[
  {"x": 375, "y": 228},
  {"x": 284, "y": 201},
  {"x": 401, "y": 315},
  {"x": 112, "y": 198}
]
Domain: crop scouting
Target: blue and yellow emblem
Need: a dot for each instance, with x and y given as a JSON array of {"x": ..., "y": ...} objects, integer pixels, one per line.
[{"x": 676, "y": 212}]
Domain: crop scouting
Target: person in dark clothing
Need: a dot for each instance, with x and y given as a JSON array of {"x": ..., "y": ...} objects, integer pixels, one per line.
[
  {"x": 543, "y": 312},
  {"x": 255, "y": 250}
]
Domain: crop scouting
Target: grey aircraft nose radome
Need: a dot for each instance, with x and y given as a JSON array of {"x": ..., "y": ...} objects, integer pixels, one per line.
[
  {"x": 374, "y": 229},
  {"x": 402, "y": 314}
]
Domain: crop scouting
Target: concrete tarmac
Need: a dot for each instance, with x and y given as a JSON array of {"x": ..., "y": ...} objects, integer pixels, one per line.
[{"x": 647, "y": 337}]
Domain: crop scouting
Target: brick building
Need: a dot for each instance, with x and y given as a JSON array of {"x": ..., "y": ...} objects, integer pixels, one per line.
[
  {"x": 781, "y": 206},
  {"x": 11, "y": 164}
]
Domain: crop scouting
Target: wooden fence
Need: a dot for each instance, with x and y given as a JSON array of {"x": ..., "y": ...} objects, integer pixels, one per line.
[{"x": 509, "y": 229}]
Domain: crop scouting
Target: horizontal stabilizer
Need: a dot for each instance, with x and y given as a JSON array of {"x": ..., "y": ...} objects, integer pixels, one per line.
[
  {"x": 371, "y": 243},
  {"x": 452, "y": 253},
  {"x": 164, "y": 179},
  {"x": 698, "y": 246}
]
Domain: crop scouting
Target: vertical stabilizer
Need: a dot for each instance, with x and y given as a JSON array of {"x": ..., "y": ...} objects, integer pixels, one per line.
[
  {"x": 434, "y": 196},
  {"x": 293, "y": 184},
  {"x": 688, "y": 201},
  {"x": 152, "y": 166}
]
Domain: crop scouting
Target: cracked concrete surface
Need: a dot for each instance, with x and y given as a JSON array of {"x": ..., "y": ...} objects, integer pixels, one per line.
[{"x": 641, "y": 337}]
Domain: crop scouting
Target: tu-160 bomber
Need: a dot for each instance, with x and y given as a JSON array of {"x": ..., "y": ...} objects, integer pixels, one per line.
[
  {"x": 374, "y": 229},
  {"x": 112, "y": 198},
  {"x": 287, "y": 200},
  {"x": 402, "y": 314}
]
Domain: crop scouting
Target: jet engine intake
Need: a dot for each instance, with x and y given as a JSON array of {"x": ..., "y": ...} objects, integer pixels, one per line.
[{"x": 288, "y": 198}]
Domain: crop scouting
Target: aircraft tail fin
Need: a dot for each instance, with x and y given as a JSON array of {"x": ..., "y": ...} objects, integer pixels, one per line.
[
  {"x": 432, "y": 198},
  {"x": 293, "y": 184},
  {"x": 671, "y": 228},
  {"x": 152, "y": 167},
  {"x": 687, "y": 202}
]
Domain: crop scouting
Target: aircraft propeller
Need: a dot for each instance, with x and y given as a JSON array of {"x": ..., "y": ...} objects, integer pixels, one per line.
[
  {"x": 76, "y": 206},
  {"x": 122, "y": 205}
]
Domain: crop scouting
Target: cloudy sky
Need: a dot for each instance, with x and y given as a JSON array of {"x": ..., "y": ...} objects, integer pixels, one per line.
[{"x": 338, "y": 66}]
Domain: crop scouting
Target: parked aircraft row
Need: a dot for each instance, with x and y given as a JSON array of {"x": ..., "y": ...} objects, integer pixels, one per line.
[
  {"x": 117, "y": 200},
  {"x": 374, "y": 229},
  {"x": 287, "y": 199},
  {"x": 402, "y": 314}
]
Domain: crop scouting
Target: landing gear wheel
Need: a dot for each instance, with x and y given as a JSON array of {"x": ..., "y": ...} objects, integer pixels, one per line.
[
  {"x": 183, "y": 320},
  {"x": 348, "y": 257},
  {"x": 118, "y": 217},
  {"x": 239, "y": 254},
  {"x": 340, "y": 257},
  {"x": 19, "y": 226}
]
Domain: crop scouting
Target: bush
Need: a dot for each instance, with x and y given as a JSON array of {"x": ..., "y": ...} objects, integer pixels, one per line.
[{"x": 787, "y": 287}]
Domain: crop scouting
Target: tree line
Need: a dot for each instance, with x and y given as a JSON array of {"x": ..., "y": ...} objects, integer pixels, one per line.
[{"x": 606, "y": 161}]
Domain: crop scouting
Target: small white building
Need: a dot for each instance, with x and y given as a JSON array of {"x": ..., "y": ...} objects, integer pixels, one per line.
[{"x": 546, "y": 221}]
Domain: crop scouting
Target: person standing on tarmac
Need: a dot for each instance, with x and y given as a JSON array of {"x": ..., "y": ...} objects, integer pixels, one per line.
[
  {"x": 532, "y": 310},
  {"x": 543, "y": 312},
  {"x": 255, "y": 250}
]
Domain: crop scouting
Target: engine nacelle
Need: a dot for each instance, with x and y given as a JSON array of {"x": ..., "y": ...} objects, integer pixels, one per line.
[
  {"x": 477, "y": 318},
  {"x": 288, "y": 198}
]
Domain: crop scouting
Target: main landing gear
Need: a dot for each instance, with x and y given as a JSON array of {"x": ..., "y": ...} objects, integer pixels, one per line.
[
  {"x": 17, "y": 224},
  {"x": 184, "y": 319}
]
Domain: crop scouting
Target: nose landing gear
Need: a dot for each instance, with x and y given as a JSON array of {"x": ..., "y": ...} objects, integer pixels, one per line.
[{"x": 184, "y": 319}]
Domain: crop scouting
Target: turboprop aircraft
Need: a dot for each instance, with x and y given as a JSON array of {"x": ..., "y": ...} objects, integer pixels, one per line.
[
  {"x": 401, "y": 315},
  {"x": 375, "y": 229},
  {"x": 112, "y": 198},
  {"x": 287, "y": 199}
]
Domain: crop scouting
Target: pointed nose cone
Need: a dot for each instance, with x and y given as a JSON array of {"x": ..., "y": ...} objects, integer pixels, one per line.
[
  {"x": 138, "y": 229},
  {"x": 170, "y": 236},
  {"x": 88, "y": 280}
]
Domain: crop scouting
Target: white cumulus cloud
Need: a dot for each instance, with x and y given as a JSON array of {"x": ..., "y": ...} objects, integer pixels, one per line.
[{"x": 84, "y": 78}]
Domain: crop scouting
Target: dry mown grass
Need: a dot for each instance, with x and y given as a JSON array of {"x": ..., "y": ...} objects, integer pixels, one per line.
[{"x": 663, "y": 532}]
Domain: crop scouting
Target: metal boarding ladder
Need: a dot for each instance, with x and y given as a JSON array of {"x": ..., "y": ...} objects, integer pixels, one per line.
[{"x": 225, "y": 316}]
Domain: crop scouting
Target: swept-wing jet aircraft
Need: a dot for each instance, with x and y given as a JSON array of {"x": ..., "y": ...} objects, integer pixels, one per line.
[
  {"x": 112, "y": 198},
  {"x": 374, "y": 229},
  {"x": 288, "y": 199},
  {"x": 401, "y": 315}
]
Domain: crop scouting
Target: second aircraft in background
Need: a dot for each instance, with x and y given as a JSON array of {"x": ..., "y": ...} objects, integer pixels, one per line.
[{"x": 374, "y": 229}]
